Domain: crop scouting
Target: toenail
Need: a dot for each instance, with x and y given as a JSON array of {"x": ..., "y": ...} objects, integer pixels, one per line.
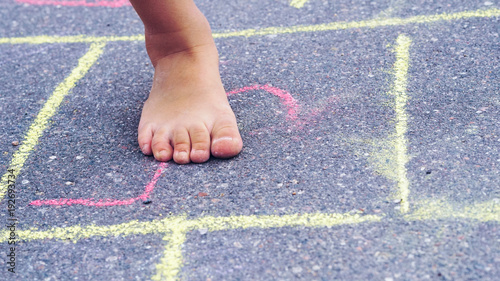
[
  {"x": 221, "y": 139},
  {"x": 144, "y": 148},
  {"x": 162, "y": 154},
  {"x": 182, "y": 154}
]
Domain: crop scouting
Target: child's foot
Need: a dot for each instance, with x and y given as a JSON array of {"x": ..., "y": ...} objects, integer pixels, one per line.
[{"x": 187, "y": 116}]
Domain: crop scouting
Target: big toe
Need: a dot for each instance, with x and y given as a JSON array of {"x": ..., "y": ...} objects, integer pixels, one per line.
[{"x": 226, "y": 139}]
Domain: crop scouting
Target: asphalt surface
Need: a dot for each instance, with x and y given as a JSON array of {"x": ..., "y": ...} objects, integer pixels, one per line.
[{"x": 337, "y": 153}]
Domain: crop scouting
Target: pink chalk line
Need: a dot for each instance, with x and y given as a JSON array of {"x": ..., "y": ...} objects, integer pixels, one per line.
[
  {"x": 96, "y": 3},
  {"x": 285, "y": 97},
  {"x": 105, "y": 202}
]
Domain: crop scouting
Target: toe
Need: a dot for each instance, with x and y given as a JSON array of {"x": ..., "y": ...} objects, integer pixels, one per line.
[
  {"x": 226, "y": 139},
  {"x": 200, "y": 144},
  {"x": 162, "y": 150},
  {"x": 182, "y": 146},
  {"x": 145, "y": 135}
]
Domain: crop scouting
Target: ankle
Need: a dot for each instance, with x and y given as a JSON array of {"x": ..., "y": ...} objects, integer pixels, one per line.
[{"x": 189, "y": 41}]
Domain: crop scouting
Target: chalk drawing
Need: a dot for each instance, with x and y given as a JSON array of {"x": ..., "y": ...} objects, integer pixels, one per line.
[
  {"x": 285, "y": 97},
  {"x": 112, "y": 3},
  {"x": 50, "y": 107},
  {"x": 170, "y": 223},
  {"x": 434, "y": 209},
  {"x": 298, "y": 3},
  {"x": 373, "y": 23},
  {"x": 171, "y": 263},
  {"x": 105, "y": 202},
  {"x": 388, "y": 155},
  {"x": 86, "y": 3},
  {"x": 175, "y": 228},
  {"x": 400, "y": 71}
]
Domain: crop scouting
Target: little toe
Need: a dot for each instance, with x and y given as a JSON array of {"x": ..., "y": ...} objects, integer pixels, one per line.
[
  {"x": 144, "y": 139},
  {"x": 182, "y": 146},
  {"x": 162, "y": 150},
  {"x": 200, "y": 144},
  {"x": 226, "y": 139}
]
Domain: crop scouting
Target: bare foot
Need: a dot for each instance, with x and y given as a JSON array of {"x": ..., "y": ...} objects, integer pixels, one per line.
[{"x": 187, "y": 116}]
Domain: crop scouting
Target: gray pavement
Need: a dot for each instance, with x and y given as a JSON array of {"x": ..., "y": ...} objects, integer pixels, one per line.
[{"x": 334, "y": 152}]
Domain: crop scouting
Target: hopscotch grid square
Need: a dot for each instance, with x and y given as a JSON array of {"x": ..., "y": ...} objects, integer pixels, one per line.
[{"x": 168, "y": 225}]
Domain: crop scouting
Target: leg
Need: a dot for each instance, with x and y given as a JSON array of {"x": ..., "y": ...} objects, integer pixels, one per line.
[{"x": 187, "y": 116}]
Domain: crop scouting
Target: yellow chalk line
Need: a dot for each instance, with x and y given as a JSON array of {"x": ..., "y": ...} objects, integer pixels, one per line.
[
  {"x": 77, "y": 232},
  {"x": 400, "y": 71},
  {"x": 298, "y": 3},
  {"x": 486, "y": 211},
  {"x": 171, "y": 262},
  {"x": 176, "y": 228},
  {"x": 44, "y": 39},
  {"x": 373, "y": 23},
  {"x": 36, "y": 129},
  {"x": 440, "y": 209},
  {"x": 170, "y": 224},
  {"x": 272, "y": 221}
]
